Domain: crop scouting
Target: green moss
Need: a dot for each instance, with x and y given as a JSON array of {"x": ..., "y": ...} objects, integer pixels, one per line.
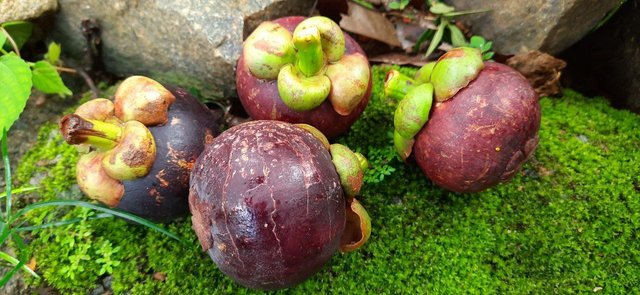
[{"x": 569, "y": 222}]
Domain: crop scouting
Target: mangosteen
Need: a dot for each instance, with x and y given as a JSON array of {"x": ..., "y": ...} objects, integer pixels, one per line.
[
  {"x": 139, "y": 149},
  {"x": 482, "y": 127},
  {"x": 273, "y": 201},
  {"x": 304, "y": 70}
]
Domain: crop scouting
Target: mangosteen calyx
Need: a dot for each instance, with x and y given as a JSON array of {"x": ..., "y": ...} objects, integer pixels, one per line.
[
  {"x": 116, "y": 135},
  {"x": 310, "y": 64},
  {"x": 441, "y": 80}
]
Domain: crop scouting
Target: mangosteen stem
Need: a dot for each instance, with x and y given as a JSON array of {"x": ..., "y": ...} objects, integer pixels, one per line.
[
  {"x": 78, "y": 130},
  {"x": 309, "y": 57},
  {"x": 396, "y": 85}
]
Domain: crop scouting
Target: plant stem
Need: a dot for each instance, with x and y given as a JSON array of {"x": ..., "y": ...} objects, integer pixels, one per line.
[
  {"x": 59, "y": 69},
  {"x": 7, "y": 174},
  {"x": 13, "y": 43},
  {"x": 78, "y": 130},
  {"x": 310, "y": 58}
]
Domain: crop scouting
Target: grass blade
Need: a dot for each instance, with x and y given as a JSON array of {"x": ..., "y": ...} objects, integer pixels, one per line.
[
  {"x": 121, "y": 214},
  {"x": 62, "y": 222},
  {"x": 466, "y": 12},
  {"x": 436, "y": 38},
  {"x": 7, "y": 174},
  {"x": 20, "y": 190}
]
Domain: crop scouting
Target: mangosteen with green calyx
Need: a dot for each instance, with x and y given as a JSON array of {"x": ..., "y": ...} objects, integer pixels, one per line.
[
  {"x": 138, "y": 150},
  {"x": 482, "y": 126},
  {"x": 273, "y": 201},
  {"x": 304, "y": 70}
]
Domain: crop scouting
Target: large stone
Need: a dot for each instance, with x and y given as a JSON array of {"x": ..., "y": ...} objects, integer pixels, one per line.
[
  {"x": 192, "y": 43},
  {"x": 517, "y": 26},
  {"x": 607, "y": 62},
  {"x": 11, "y": 10}
]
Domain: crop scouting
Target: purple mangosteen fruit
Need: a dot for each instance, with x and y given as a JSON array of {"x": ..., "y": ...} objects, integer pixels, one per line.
[
  {"x": 483, "y": 124},
  {"x": 273, "y": 201},
  {"x": 304, "y": 70},
  {"x": 140, "y": 148}
]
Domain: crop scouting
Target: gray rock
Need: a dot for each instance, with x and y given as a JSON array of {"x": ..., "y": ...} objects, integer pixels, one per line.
[
  {"x": 11, "y": 10},
  {"x": 194, "y": 43},
  {"x": 517, "y": 26},
  {"x": 607, "y": 61}
]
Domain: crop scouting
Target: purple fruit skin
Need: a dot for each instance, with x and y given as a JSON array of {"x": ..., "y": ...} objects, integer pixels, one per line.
[
  {"x": 162, "y": 194},
  {"x": 482, "y": 135},
  {"x": 267, "y": 204},
  {"x": 261, "y": 100}
]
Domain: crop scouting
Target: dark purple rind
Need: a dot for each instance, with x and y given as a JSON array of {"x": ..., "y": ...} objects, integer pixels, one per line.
[
  {"x": 267, "y": 204},
  {"x": 162, "y": 194},
  {"x": 482, "y": 135},
  {"x": 261, "y": 99}
]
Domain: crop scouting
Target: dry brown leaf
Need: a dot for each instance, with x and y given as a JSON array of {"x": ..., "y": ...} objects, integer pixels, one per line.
[
  {"x": 370, "y": 24},
  {"x": 542, "y": 70}
]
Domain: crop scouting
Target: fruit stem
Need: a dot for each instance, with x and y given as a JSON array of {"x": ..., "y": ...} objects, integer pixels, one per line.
[
  {"x": 78, "y": 130},
  {"x": 396, "y": 85},
  {"x": 309, "y": 57}
]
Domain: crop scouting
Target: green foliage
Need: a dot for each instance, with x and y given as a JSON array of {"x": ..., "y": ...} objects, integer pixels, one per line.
[
  {"x": 568, "y": 223},
  {"x": 20, "y": 31},
  {"x": 47, "y": 79},
  {"x": 398, "y": 4},
  {"x": 15, "y": 86},
  {"x": 444, "y": 19},
  {"x": 483, "y": 45}
]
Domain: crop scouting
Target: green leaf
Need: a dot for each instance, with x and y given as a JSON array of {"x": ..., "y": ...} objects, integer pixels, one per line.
[
  {"x": 47, "y": 79},
  {"x": 398, "y": 4},
  {"x": 486, "y": 46},
  {"x": 427, "y": 34},
  {"x": 15, "y": 87},
  {"x": 488, "y": 55},
  {"x": 440, "y": 8},
  {"x": 457, "y": 37},
  {"x": 62, "y": 222},
  {"x": 476, "y": 41},
  {"x": 20, "y": 31},
  {"x": 437, "y": 37},
  {"x": 121, "y": 214},
  {"x": 53, "y": 53}
]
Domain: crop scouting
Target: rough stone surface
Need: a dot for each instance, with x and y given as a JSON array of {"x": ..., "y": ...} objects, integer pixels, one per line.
[
  {"x": 607, "y": 62},
  {"x": 193, "y": 44},
  {"x": 518, "y": 26},
  {"x": 11, "y": 10}
]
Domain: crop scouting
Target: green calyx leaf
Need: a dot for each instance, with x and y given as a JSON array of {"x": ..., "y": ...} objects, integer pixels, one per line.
[
  {"x": 455, "y": 70},
  {"x": 267, "y": 50},
  {"x": 423, "y": 75},
  {"x": 301, "y": 93},
  {"x": 47, "y": 79},
  {"x": 413, "y": 111},
  {"x": 15, "y": 87},
  {"x": 349, "y": 168}
]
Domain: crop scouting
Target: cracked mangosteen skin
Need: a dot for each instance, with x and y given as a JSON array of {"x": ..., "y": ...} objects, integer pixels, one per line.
[
  {"x": 261, "y": 99},
  {"x": 162, "y": 194},
  {"x": 267, "y": 204},
  {"x": 482, "y": 135}
]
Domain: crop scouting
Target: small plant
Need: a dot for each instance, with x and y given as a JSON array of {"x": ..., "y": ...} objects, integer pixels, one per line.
[
  {"x": 17, "y": 77},
  {"x": 483, "y": 45},
  {"x": 444, "y": 19}
]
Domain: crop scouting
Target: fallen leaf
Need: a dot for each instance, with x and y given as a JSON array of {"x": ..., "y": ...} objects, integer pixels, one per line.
[
  {"x": 369, "y": 23},
  {"x": 542, "y": 70}
]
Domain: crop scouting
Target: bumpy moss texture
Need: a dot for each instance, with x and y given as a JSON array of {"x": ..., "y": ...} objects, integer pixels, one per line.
[{"x": 569, "y": 222}]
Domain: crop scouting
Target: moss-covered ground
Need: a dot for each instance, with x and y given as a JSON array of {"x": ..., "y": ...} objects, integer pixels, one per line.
[{"x": 569, "y": 222}]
